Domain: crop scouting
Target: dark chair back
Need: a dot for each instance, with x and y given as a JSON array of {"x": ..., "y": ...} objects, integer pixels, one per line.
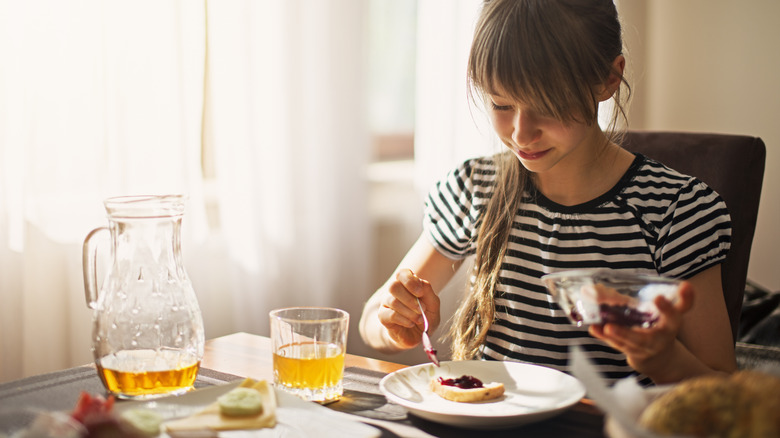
[{"x": 733, "y": 165}]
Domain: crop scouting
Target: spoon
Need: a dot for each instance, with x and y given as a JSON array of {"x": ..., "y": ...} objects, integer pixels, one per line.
[{"x": 426, "y": 341}]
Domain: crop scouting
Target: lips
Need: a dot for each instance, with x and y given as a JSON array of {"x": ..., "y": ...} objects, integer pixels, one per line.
[{"x": 531, "y": 155}]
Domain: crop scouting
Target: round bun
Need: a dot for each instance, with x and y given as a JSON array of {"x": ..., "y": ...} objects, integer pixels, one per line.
[
  {"x": 488, "y": 391},
  {"x": 745, "y": 404}
]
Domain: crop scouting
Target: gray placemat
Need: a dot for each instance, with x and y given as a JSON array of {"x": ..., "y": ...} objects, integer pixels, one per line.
[
  {"x": 60, "y": 390},
  {"x": 20, "y": 400},
  {"x": 362, "y": 397}
]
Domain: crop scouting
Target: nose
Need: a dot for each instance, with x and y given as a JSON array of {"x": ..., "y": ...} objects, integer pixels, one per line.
[{"x": 526, "y": 129}]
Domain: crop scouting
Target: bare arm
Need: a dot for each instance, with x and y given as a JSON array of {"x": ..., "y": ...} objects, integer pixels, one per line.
[
  {"x": 706, "y": 330},
  {"x": 694, "y": 337},
  {"x": 391, "y": 319}
]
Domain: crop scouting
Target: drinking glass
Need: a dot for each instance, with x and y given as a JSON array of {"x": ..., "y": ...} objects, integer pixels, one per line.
[{"x": 309, "y": 344}]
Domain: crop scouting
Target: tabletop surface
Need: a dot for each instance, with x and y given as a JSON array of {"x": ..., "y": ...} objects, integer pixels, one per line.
[
  {"x": 248, "y": 355},
  {"x": 240, "y": 355}
]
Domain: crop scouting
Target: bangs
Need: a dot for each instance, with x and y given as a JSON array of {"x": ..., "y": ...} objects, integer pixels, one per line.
[{"x": 515, "y": 55}]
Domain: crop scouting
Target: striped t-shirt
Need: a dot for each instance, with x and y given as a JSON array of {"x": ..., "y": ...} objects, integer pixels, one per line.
[{"x": 654, "y": 221}]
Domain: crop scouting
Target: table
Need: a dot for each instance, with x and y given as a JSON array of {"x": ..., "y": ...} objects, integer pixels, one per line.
[
  {"x": 249, "y": 355},
  {"x": 239, "y": 355}
]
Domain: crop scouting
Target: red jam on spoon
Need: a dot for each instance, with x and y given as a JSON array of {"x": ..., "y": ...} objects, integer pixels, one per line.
[{"x": 432, "y": 356}]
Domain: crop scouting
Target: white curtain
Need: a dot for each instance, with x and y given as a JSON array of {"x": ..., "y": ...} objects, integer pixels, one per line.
[
  {"x": 448, "y": 128},
  {"x": 286, "y": 121},
  {"x": 101, "y": 98}
]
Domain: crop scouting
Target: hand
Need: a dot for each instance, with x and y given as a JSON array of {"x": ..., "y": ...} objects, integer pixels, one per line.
[
  {"x": 399, "y": 311},
  {"x": 648, "y": 350}
]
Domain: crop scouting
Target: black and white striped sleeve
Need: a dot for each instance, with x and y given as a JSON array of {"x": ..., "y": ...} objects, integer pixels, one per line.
[
  {"x": 454, "y": 205},
  {"x": 696, "y": 234}
]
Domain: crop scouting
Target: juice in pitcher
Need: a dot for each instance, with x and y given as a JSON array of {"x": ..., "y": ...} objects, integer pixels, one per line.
[{"x": 147, "y": 373}]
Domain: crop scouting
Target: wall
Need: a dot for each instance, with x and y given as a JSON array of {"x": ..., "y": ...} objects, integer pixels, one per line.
[{"x": 712, "y": 66}]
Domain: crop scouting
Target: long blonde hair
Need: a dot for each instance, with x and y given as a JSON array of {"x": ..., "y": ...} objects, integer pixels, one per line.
[{"x": 551, "y": 55}]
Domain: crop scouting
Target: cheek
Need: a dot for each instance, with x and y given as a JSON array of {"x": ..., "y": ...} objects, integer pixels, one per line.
[
  {"x": 576, "y": 134},
  {"x": 502, "y": 124}
]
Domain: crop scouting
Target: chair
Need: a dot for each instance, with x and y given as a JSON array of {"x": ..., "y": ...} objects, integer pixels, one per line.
[{"x": 733, "y": 166}]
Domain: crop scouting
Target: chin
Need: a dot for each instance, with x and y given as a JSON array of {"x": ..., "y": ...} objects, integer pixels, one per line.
[{"x": 534, "y": 166}]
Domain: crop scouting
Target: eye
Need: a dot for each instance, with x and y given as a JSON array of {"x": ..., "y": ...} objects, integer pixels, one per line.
[{"x": 497, "y": 107}]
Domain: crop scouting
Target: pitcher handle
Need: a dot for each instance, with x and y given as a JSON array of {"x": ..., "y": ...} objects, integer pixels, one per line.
[{"x": 89, "y": 262}]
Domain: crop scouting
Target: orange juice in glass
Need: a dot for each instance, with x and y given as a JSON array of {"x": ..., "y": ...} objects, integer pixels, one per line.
[{"x": 309, "y": 344}]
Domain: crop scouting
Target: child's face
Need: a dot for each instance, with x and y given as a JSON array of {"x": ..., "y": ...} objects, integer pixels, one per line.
[{"x": 539, "y": 141}]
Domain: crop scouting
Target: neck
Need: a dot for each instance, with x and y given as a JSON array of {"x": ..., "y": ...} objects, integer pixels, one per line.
[{"x": 587, "y": 173}]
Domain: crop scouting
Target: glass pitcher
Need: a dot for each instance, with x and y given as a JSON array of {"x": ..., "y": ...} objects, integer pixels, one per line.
[{"x": 147, "y": 329}]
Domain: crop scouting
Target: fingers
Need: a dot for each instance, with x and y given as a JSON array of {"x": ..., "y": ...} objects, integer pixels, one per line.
[
  {"x": 401, "y": 302},
  {"x": 686, "y": 297},
  {"x": 612, "y": 333},
  {"x": 403, "y": 332},
  {"x": 418, "y": 288},
  {"x": 412, "y": 283},
  {"x": 631, "y": 342},
  {"x": 684, "y": 302},
  {"x": 398, "y": 311},
  {"x": 644, "y": 347},
  {"x": 672, "y": 314},
  {"x": 615, "y": 336},
  {"x": 423, "y": 290}
]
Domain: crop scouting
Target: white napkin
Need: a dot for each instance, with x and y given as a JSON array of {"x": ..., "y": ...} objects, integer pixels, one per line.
[
  {"x": 623, "y": 403},
  {"x": 296, "y": 418},
  {"x": 302, "y": 419}
]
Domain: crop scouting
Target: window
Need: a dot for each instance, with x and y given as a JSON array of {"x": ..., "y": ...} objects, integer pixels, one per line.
[{"x": 391, "y": 28}]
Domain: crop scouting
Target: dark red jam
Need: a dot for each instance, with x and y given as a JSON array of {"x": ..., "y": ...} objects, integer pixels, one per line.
[
  {"x": 462, "y": 382},
  {"x": 624, "y": 315},
  {"x": 432, "y": 356}
]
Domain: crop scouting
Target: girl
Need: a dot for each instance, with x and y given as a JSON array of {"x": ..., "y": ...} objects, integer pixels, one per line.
[{"x": 564, "y": 195}]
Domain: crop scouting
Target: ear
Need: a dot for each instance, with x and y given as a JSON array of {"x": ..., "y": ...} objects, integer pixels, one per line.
[{"x": 614, "y": 79}]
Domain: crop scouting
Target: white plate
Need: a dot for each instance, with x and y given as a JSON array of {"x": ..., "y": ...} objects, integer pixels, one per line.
[
  {"x": 295, "y": 417},
  {"x": 532, "y": 393}
]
